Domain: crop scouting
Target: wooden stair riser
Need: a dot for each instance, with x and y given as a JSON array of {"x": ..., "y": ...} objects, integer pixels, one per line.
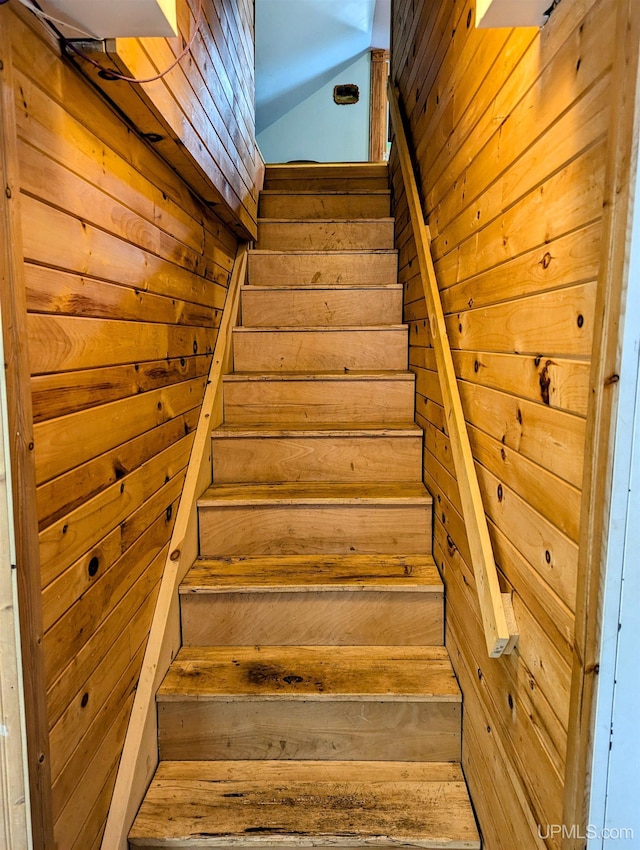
[
  {"x": 329, "y": 205},
  {"x": 362, "y": 234},
  {"x": 308, "y": 529},
  {"x": 354, "y": 177},
  {"x": 288, "y": 729},
  {"x": 255, "y": 458},
  {"x": 364, "y": 268},
  {"x": 325, "y": 399},
  {"x": 326, "y": 184},
  {"x": 361, "y": 617},
  {"x": 320, "y": 350},
  {"x": 271, "y": 307}
]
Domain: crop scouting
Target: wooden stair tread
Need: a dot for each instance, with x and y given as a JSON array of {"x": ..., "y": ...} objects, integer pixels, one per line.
[
  {"x": 317, "y": 252},
  {"x": 395, "y": 674},
  {"x": 320, "y": 221},
  {"x": 319, "y": 429},
  {"x": 315, "y": 493},
  {"x": 320, "y": 329},
  {"x": 298, "y": 573},
  {"x": 273, "y": 804},
  {"x": 352, "y": 191},
  {"x": 325, "y": 287},
  {"x": 333, "y": 375},
  {"x": 327, "y": 169}
]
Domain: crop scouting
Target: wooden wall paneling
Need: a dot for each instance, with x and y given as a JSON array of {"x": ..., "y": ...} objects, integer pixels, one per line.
[
  {"x": 439, "y": 110},
  {"x": 68, "y": 785},
  {"x": 511, "y": 91},
  {"x": 429, "y": 40},
  {"x": 517, "y": 243},
  {"x": 572, "y": 213},
  {"x": 95, "y": 821},
  {"x": 548, "y": 149},
  {"x": 552, "y": 555},
  {"x": 69, "y": 633},
  {"x": 117, "y": 246},
  {"x": 116, "y": 422},
  {"x": 514, "y": 569},
  {"x": 67, "y": 539},
  {"x": 219, "y": 67},
  {"x": 133, "y": 605},
  {"x": 547, "y": 733},
  {"x": 560, "y": 322},
  {"x": 231, "y": 72},
  {"x": 156, "y": 114},
  {"x": 21, "y": 444},
  {"x": 552, "y": 438},
  {"x": 88, "y": 250},
  {"x": 140, "y": 749},
  {"x": 622, "y": 164},
  {"x": 60, "y": 293},
  {"x": 554, "y": 498},
  {"x": 77, "y": 196},
  {"x": 62, "y": 495},
  {"x": 77, "y": 733},
  {"x": 164, "y": 145},
  {"x": 14, "y": 780},
  {"x": 484, "y": 760},
  {"x": 568, "y": 200},
  {"x": 497, "y": 616},
  {"x": 58, "y": 394},
  {"x": 540, "y": 781},
  {"x": 235, "y": 55},
  {"x": 85, "y": 805},
  {"x": 558, "y": 382},
  {"x": 79, "y": 726},
  {"x": 570, "y": 259},
  {"x": 208, "y": 104},
  {"x": 75, "y": 342},
  {"x": 198, "y": 135},
  {"x": 556, "y": 619},
  {"x": 520, "y": 676},
  {"x": 93, "y": 134}
]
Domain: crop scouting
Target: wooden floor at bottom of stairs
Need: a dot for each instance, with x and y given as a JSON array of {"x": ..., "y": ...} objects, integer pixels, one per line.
[{"x": 286, "y": 804}]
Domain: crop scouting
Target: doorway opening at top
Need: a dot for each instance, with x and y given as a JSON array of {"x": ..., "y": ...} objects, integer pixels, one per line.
[{"x": 305, "y": 51}]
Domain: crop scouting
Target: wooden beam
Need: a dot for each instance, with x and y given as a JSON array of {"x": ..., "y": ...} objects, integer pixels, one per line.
[
  {"x": 500, "y": 634},
  {"x": 21, "y": 448},
  {"x": 622, "y": 165},
  {"x": 378, "y": 105},
  {"x": 140, "y": 752},
  {"x": 14, "y": 796}
]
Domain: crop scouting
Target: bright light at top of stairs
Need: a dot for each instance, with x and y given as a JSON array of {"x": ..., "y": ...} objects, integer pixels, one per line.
[
  {"x": 118, "y": 18},
  {"x": 511, "y": 13}
]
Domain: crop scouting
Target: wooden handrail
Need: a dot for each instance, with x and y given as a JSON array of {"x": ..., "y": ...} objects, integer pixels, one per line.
[
  {"x": 140, "y": 753},
  {"x": 496, "y": 608}
]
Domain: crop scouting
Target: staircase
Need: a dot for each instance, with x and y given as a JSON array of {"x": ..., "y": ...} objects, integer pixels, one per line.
[{"x": 313, "y": 703}]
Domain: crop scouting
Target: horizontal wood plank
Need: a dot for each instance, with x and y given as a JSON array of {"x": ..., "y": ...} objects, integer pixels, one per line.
[{"x": 331, "y": 796}]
